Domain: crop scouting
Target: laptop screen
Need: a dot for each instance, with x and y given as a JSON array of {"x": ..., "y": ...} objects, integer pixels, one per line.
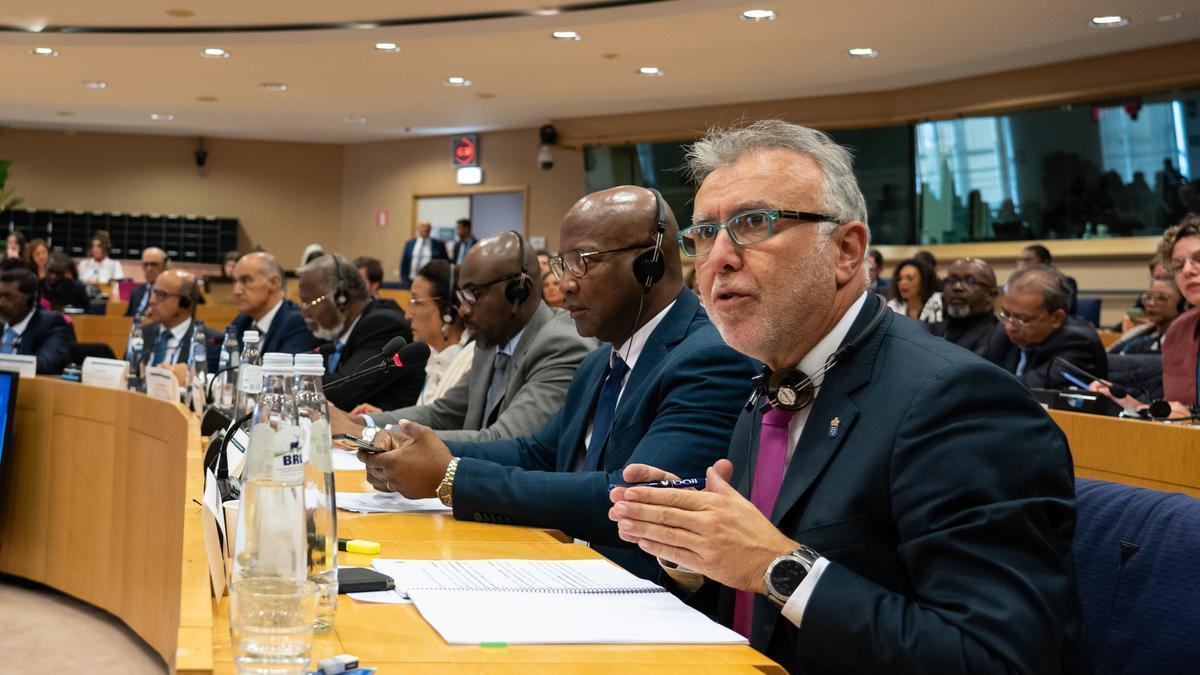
[{"x": 8, "y": 406}]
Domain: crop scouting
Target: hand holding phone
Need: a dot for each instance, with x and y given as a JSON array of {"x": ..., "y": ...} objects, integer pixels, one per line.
[{"x": 356, "y": 443}]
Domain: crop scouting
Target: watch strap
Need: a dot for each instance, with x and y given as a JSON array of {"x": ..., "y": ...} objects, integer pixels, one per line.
[
  {"x": 803, "y": 555},
  {"x": 445, "y": 489}
]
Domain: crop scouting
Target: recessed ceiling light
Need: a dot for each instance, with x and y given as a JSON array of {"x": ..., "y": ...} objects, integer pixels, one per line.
[
  {"x": 457, "y": 82},
  {"x": 609, "y": 56},
  {"x": 181, "y": 13},
  {"x": 651, "y": 71},
  {"x": 1112, "y": 21},
  {"x": 96, "y": 84},
  {"x": 485, "y": 96},
  {"x": 758, "y": 15},
  {"x": 273, "y": 86},
  {"x": 566, "y": 35},
  {"x": 64, "y": 113},
  {"x": 1170, "y": 17},
  {"x": 208, "y": 98},
  {"x": 863, "y": 53},
  {"x": 387, "y": 46},
  {"x": 162, "y": 117},
  {"x": 44, "y": 51},
  {"x": 214, "y": 53},
  {"x": 355, "y": 119}
]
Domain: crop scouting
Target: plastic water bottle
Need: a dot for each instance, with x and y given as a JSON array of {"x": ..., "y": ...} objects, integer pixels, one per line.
[
  {"x": 272, "y": 603},
  {"x": 249, "y": 374},
  {"x": 226, "y": 380},
  {"x": 319, "y": 507},
  {"x": 134, "y": 352},
  {"x": 198, "y": 365}
]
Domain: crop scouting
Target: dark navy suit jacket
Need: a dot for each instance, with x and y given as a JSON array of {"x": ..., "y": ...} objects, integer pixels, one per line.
[
  {"x": 136, "y": 296},
  {"x": 287, "y": 334},
  {"x": 212, "y": 345},
  {"x": 439, "y": 251},
  {"x": 49, "y": 337},
  {"x": 676, "y": 412},
  {"x": 943, "y": 497}
]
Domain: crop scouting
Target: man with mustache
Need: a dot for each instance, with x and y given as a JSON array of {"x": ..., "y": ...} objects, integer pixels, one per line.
[{"x": 968, "y": 295}]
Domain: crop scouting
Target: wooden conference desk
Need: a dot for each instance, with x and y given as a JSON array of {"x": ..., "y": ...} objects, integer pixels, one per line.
[{"x": 98, "y": 503}]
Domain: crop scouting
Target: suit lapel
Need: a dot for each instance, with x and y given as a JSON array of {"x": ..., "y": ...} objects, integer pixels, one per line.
[
  {"x": 478, "y": 391},
  {"x": 669, "y": 332},
  {"x": 829, "y": 422},
  {"x": 577, "y": 426}
]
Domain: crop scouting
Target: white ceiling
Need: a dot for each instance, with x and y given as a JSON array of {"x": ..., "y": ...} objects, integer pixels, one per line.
[{"x": 709, "y": 55}]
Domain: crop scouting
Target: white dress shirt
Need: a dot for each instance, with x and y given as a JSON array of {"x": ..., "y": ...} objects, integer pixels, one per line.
[
  {"x": 102, "y": 272},
  {"x": 19, "y": 328},
  {"x": 264, "y": 324},
  {"x": 422, "y": 253},
  {"x": 175, "y": 341},
  {"x": 445, "y": 368}
]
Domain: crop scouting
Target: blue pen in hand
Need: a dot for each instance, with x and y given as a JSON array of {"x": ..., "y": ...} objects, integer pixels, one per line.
[{"x": 697, "y": 483}]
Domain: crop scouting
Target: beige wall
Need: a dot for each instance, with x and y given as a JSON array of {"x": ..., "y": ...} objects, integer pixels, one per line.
[
  {"x": 286, "y": 194},
  {"x": 390, "y": 175}
]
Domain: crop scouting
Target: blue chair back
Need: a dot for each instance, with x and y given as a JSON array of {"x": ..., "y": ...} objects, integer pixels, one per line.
[
  {"x": 1088, "y": 309},
  {"x": 1137, "y": 558}
]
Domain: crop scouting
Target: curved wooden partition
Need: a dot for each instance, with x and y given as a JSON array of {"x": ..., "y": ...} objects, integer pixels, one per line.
[{"x": 97, "y": 503}]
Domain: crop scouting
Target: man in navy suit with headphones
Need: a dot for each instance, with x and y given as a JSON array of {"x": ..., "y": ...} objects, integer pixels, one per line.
[
  {"x": 29, "y": 329},
  {"x": 891, "y": 503},
  {"x": 258, "y": 290},
  {"x": 168, "y": 335},
  {"x": 353, "y": 328},
  {"x": 663, "y": 389}
]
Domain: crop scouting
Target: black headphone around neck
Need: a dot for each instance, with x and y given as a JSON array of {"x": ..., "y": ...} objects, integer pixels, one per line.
[
  {"x": 649, "y": 267},
  {"x": 793, "y": 389},
  {"x": 516, "y": 290}
]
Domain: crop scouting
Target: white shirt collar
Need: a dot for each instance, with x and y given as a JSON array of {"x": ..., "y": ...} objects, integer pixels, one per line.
[
  {"x": 264, "y": 324},
  {"x": 511, "y": 347},
  {"x": 181, "y": 329},
  {"x": 819, "y": 355},
  {"x": 345, "y": 336},
  {"x": 632, "y": 348},
  {"x": 21, "y": 325}
]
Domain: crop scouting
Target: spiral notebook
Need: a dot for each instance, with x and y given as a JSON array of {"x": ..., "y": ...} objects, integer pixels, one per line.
[{"x": 548, "y": 602}]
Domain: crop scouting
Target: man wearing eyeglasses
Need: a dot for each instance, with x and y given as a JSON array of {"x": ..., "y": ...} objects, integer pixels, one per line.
[
  {"x": 663, "y": 388},
  {"x": 969, "y": 296},
  {"x": 29, "y": 329},
  {"x": 1035, "y": 330},
  {"x": 526, "y": 353},
  {"x": 154, "y": 261},
  {"x": 258, "y": 289},
  {"x": 909, "y": 512},
  {"x": 354, "y": 328},
  {"x": 168, "y": 333}
]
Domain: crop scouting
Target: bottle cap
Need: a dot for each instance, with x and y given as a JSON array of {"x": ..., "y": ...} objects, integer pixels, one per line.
[
  {"x": 310, "y": 364},
  {"x": 277, "y": 363},
  {"x": 250, "y": 336}
]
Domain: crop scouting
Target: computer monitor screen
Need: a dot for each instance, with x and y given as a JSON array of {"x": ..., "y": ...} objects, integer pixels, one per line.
[{"x": 8, "y": 407}]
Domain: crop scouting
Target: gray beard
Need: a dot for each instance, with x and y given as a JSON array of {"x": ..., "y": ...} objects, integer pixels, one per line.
[
  {"x": 956, "y": 312},
  {"x": 330, "y": 334}
]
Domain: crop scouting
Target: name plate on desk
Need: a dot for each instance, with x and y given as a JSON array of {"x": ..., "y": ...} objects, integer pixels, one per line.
[
  {"x": 162, "y": 383},
  {"x": 109, "y": 373},
  {"x": 25, "y": 364}
]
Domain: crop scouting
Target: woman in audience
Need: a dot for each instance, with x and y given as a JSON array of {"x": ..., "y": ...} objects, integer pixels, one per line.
[
  {"x": 98, "y": 268},
  {"x": 16, "y": 245},
  {"x": 915, "y": 292},
  {"x": 552, "y": 295},
  {"x": 228, "y": 262},
  {"x": 37, "y": 253},
  {"x": 61, "y": 287},
  {"x": 1162, "y": 303}
]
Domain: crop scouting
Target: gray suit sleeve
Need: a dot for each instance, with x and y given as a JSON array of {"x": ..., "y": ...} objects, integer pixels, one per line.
[
  {"x": 448, "y": 412},
  {"x": 549, "y": 367}
]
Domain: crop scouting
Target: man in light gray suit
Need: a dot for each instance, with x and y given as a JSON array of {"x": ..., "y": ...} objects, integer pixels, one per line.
[{"x": 526, "y": 354}]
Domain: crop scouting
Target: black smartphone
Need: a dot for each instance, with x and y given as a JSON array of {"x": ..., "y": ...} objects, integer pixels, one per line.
[
  {"x": 358, "y": 443},
  {"x": 362, "y": 580}
]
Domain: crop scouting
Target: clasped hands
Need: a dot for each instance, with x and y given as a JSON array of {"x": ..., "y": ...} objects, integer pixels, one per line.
[
  {"x": 715, "y": 531},
  {"x": 414, "y": 464}
]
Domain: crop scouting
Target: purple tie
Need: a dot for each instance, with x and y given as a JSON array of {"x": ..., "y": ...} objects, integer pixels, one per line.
[{"x": 768, "y": 476}]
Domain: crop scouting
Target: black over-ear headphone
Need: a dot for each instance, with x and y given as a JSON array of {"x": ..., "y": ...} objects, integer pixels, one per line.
[
  {"x": 791, "y": 388},
  {"x": 339, "y": 296},
  {"x": 449, "y": 311},
  {"x": 649, "y": 267},
  {"x": 517, "y": 289},
  {"x": 188, "y": 298}
]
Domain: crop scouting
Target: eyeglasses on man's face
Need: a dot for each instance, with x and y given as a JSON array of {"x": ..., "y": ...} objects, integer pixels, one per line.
[
  {"x": 968, "y": 281},
  {"x": 161, "y": 295},
  {"x": 306, "y": 306},
  {"x": 469, "y": 294},
  {"x": 745, "y": 229},
  {"x": 1017, "y": 321},
  {"x": 576, "y": 263}
]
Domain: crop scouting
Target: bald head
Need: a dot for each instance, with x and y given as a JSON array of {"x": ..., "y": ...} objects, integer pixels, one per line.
[
  {"x": 166, "y": 302},
  {"x": 154, "y": 261},
  {"x": 498, "y": 256},
  {"x": 969, "y": 289},
  {"x": 257, "y": 284},
  {"x": 487, "y": 272}
]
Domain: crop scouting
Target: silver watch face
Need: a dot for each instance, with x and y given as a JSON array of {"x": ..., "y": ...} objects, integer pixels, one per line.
[
  {"x": 786, "y": 575},
  {"x": 368, "y": 434}
]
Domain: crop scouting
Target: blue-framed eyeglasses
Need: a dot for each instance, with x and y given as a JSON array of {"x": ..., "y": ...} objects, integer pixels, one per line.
[{"x": 745, "y": 229}]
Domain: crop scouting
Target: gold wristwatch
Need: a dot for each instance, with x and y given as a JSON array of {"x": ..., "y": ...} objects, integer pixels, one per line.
[{"x": 445, "y": 489}]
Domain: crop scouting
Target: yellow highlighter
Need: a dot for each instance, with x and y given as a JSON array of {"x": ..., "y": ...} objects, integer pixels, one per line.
[{"x": 358, "y": 546}]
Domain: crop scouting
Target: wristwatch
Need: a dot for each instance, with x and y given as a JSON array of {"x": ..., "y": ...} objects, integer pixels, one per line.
[
  {"x": 784, "y": 574},
  {"x": 445, "y": 489},
  {"x": 368, "y": 434}
]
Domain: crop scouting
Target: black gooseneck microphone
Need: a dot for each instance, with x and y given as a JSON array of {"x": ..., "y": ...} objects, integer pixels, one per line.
[
  {"x": 1157, "y": 410},
  {"x": 395, "y": 353}
]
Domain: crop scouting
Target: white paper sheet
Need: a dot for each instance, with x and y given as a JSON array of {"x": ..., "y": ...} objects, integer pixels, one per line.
[
  {"x": 386, "y": 502},
  {"x": 344, "y": 460}
]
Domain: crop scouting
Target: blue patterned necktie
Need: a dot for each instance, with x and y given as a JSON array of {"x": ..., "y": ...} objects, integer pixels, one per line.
[
  {"x": 606, "y": 408},
  {"x": 335, "y": 358},
  {"x": 1022, "y": 363},
  {"x": 160, "y": 347},
  {"x": 9, "y": 346}
]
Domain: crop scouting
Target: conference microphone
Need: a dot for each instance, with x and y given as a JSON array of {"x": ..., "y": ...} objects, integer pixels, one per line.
[
  {"x": 395, "y": 354},
  {"x": 1117, "y": 390}
]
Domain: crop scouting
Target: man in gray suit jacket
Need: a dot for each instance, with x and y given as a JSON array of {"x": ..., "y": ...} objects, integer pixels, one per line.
[{"x": 526, "y": 356}]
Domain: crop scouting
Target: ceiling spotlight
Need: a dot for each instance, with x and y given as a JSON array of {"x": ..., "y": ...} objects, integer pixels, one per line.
[
  {"x": 64, "y": 113},
  {"x": 162, "y": 117},
  {"x": 273, "y": 86},
  {"x": 651, "y": 71},
  {"x": 863, "y": 53},
  {"x": 757, "y": 15},
  {"x": 44, "y": 51},
  {"x": 387, "y": 46},
  {"x": 457, "y": 82},
  {"x": 180, "y": 13},
  {"x": 214, "y": 53},
  {"x": 566, "y": 35},
  {"x": 355, "y": 119},
  {"x": 1108, "y": 21},
  {"x": 96, "y": 84},
  {"x": 1170, "y": 17},
  {"x": 207, "y": 98}
]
